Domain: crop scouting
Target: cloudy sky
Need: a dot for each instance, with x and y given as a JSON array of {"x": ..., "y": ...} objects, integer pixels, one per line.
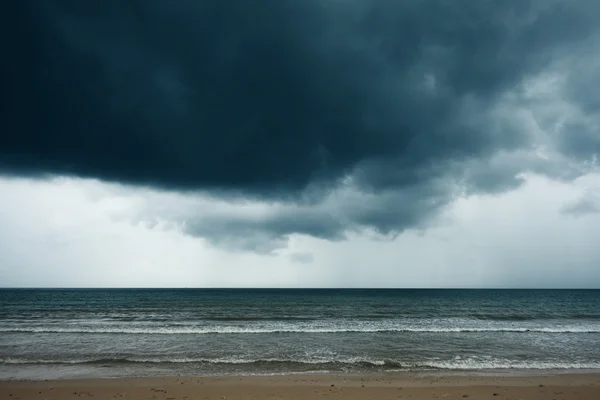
[{"x": 314, "y": 143}]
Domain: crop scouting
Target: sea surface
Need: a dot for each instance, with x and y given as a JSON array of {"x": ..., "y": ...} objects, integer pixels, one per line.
[{"x": 108, "y": 333}]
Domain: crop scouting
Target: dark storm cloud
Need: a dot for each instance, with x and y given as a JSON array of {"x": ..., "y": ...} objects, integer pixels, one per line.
[
  {"x": 581, "y": 137},
  {"x": 269, "y": 98}
]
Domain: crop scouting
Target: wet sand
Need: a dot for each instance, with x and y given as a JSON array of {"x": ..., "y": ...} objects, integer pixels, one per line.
[{"x": 573, "y": 386}]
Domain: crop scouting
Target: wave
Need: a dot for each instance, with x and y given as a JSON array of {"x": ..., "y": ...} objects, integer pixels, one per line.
[
  {"x": 516, "y": 317},
  {"x": 186, "y": 360},
  {"x": 144, "y": 317},
  {"x": 266, "y": 330},
  {"x": 357, "y": 363},
  {"x": 476, "y": 365}
]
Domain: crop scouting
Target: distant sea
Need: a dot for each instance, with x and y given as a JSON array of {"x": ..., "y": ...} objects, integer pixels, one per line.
[{"x": 110, "y": 333}]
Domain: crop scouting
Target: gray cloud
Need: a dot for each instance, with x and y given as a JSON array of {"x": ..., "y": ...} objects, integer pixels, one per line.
[
  {"x": 412, "y": 103},
  {"x": 302, "y": 257},
  {"x": 587, "y": 204}
]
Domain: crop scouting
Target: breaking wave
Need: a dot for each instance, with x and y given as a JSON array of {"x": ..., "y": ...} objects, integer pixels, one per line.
[
  {"x": 200, "y": 330},
  {"x": 352, "y": 363}
]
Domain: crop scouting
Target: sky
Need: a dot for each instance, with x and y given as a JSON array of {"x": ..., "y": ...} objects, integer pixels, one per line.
[{"x": 315, "y": 143}]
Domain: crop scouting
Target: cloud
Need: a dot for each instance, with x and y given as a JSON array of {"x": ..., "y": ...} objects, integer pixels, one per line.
[
  {"x": 342, "y": 115},
  {"x": 589, "y": 203},
  {"x": 302, "y": 258},
  {"x": 85, "y": 233},
  {"x": 250, "y": 225}
]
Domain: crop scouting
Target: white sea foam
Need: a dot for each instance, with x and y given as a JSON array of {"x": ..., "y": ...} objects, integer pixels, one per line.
[
  {"x": 495, "y": 364},
  {"x": 456, "y": 364},
  {"x": 298, "y": 328}
]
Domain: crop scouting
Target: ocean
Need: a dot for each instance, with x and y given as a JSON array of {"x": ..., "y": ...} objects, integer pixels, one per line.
[{"x": 69, "y": 333}]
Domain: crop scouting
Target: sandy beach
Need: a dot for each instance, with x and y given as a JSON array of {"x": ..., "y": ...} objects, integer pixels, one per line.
[{"x": 553, "y": 387}]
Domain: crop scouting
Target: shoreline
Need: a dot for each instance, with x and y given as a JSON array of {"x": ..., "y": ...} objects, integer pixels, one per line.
[
  {"x": 350, "y": 375},
  {"x": 517, "y": 374},
  {"x": 396, "y": 374},
  {"x": 560, "y": 386}
]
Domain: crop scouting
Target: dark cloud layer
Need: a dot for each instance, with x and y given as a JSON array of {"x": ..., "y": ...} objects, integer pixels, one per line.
[{"x": 269, "y": 98}]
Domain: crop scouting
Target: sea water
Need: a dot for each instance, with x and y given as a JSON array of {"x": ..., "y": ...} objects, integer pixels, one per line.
[{"x": 140, "y": 332}]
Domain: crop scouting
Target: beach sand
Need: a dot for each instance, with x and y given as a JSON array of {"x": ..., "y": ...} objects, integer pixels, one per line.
[{"x": 573, "y": 386}]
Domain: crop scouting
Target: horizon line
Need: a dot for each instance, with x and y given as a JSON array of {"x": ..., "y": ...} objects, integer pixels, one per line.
[{"x": 285, "y": 288}]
